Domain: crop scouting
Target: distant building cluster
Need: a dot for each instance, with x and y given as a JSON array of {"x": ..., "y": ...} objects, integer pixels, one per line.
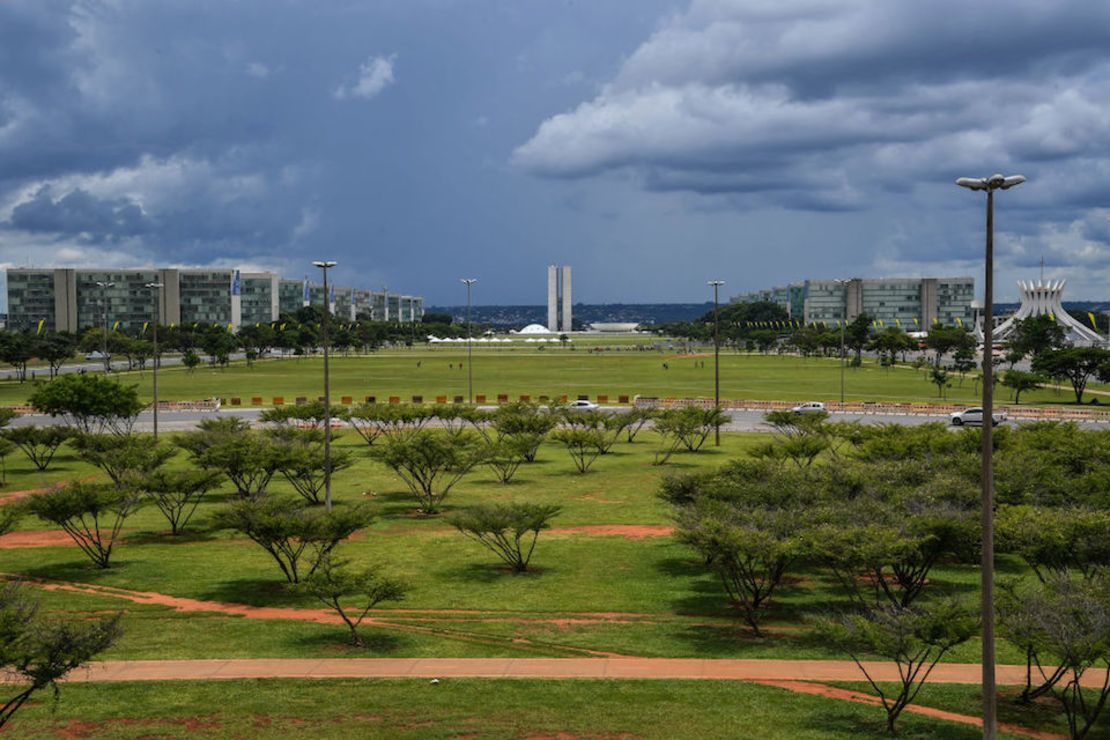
[
  {"x": 65, "y": 299},
  {"x": 908, "y": 302}
]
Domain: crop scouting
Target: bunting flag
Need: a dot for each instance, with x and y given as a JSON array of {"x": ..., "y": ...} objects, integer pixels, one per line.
[
  {"x": 959, "y": 321},
  {"x": 145, "y": 325},
  {"x": 1093, "y": 322},
  {"x": 283, "y": 326},
  {"x": 898, "y": 322},
  {"x": 229, "y": 327},
  {"x": 42, "y": 322},
  {"x": 915, "y": 321},
  {"x": 115, "y": 326},
  {"x": 172, "y": 325},
  {"x": 1052, "y": 316},
  {"x": 882, "y": 323}
]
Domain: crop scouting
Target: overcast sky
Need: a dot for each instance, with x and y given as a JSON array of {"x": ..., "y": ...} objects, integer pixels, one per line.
[{"x": 651, "y": 144}]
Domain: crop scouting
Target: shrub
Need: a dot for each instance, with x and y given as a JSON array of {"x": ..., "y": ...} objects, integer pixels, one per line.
[
  {"x": 123, "y": 458},
  {"x": 39, "y": 444},
  {"x": 177, "y": 494},
  {"x": 504, "y": 528},
  {"x": 249, "y": 461},
  {"x": 584, "y": 445},
  {"x": 332, "y": 583},
  {"x": 301, "y": 461},
  {"x": 91, "y": 514},
  {"x": 430, "y": 463},
  {"x": 289, "y": 530}
]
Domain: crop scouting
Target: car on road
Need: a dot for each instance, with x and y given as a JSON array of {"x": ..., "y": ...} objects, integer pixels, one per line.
[
  {"x": 974, "y": 416},
  {"x": 810, "y": 407},
  {"x": 582, "y": 405}
]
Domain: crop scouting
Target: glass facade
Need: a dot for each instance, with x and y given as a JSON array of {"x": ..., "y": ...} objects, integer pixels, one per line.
[
  {"x": 892, "y": 302},
  {"x": 954, "y": 298},
  {"x": 30, "y": 299},
  {"x": 205, "y": 297},
  {"x": 127, "y": 301},
  {"x": 72, "y": 299},
  {"x": 257, "y": 295},
  {"x": 825, "y": 300}
]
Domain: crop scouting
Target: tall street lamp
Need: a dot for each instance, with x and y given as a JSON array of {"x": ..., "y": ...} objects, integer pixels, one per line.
[
  {"x": 154, "y": 287},
  {"x": 843, "y": 325},
  {"x": 104, "y": 314},
  {"x": 716, "y": 284},
  {"x": 324, "y": 266},
  {"x": 469, "y": 349},
  {"x": 990, "y": 708}
]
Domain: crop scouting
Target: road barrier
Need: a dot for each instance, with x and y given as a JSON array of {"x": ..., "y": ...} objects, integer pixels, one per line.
[{"x": 1043, "y": 413}]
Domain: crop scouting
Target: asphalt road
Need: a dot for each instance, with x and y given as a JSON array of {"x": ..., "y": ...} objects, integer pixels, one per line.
[{"x": 741, "y": 421}]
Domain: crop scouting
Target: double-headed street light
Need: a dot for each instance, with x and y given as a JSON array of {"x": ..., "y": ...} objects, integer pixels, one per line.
[
  {"x": 157, "y": 316},
  {"x": 104, "y": 315},
  {"x": 325, "y": 265},
  {"x": 469, "y": 353},
  {"x": 990, "y": 708},
  {"x": 716, "y": 284}
]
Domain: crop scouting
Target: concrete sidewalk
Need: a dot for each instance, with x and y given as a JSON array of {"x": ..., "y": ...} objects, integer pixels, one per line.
[{"x": 528, "y": 668}]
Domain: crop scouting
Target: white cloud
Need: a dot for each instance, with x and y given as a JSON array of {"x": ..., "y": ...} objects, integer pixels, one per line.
[
  {"x": 374, "y": 75},
  {"x": 258, "y": 70}
]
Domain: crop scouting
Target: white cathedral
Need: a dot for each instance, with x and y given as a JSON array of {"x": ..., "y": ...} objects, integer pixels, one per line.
[{"x": 1042, "y": 298}]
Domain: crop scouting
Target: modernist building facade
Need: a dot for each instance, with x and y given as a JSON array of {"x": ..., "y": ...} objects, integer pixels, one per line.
[
  {"x": 66, "y": 299},
  {"x": 909, "y": 302},
  {"x": 559, "y": 318}
]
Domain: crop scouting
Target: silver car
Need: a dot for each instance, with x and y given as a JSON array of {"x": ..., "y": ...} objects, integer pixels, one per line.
[{"x": 974, "y": 416}]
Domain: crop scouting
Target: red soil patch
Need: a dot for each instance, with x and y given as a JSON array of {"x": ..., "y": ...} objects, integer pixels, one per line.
[
  {"x": 7, "y": 498},
  {"x": 75, "y": 728},
  {"x": 831, "y": 692},
  {"x": 630, "y": 531},
  {"x": 40, "y": 538}
]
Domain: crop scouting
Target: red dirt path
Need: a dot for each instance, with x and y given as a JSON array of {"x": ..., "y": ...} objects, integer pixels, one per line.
[
  {"x": 35, "y": 538},
  {"x": 630, "y": 531}
]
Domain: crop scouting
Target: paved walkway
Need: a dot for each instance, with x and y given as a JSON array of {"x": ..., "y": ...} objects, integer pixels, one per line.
[{"x": 534, "y": 668}]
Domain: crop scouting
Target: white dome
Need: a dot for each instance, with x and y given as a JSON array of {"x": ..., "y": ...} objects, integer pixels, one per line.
[{"x": 534, "y": 329}]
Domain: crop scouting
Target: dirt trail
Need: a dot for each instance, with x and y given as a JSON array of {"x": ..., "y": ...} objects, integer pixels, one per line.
[
  {"x": 629, "y": 531},
  {"x": 832, "y": 692},
  {"x": 35, "y": 538}
]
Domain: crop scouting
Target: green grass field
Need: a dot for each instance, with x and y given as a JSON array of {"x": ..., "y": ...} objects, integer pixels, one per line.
[
  {"x": 441, "y": 372},
  {"x": 672, "y": 606}
]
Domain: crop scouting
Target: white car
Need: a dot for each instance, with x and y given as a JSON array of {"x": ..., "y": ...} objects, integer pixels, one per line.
[
  {"x": 974, "y": 416},
  {"x": 810, "y": 407},
  {"x": 581, "y": 405}
]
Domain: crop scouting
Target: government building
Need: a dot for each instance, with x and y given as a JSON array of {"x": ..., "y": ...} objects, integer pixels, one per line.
[
  {"x": 66, "y": 299},
  {"x": 906, "y": 302}
]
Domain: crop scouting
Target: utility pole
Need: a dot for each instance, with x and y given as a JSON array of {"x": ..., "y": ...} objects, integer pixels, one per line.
[
  {"x": 325, "y": 266},
  {"x": 156, "y": 288},
  {"x": 469, "y": 342},
  {"x": 716, "y": 284}
]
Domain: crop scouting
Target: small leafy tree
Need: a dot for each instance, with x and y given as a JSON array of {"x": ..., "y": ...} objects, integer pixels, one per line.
[
  {"x": 91, "y": 514},
  {"x": 583, "y": 445},
  {"x": 301, "y": 461},
  {"x": 505, "y": 456},
  {"x": 333, "y": 583},
  {"x": 1077, "y": 365},
  {"x": 291, "y": 531},
  {"x": 248, "y": 460},
  {"x": 638, "y": 418},
  {"x": 938, "y": 376},
  {"x": 430, "y": 463},
  {"x": 1019, "y": 382},
  {"x": 56, "y": 348},
  {"x": 38, "y": 651},
  {"x": 91, "y": 403},
  {"x": 686, "y": 427},
  {"x": 749, "y": 549},
  {"x": 914, "y": 638},
  {"x": 1066, "y": 623},
  {"x": 122, "y": 458},
  {"x": 504, "y": 528},
  {"x": 39, "y": 444},
  {"x": 177, "y": 494},
  {"x": 191, "y": 360}
]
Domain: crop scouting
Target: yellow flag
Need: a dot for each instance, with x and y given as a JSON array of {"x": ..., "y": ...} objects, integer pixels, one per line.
[
  {"x": 1093, "y": 322},
  {"x": 1052, "y": 316},
  {"x": 882, "y": 323},
  {"x": 898, "y": 322},
  {"x": 42, "y": 322},
  {"x": 283, "y": 326},
  {"x": 115, "y": 326},
  {"x": 915, "y": 322},
  {"x": 145, "y": 325},
  {"x": 172, "y": 325},
  {"x": 229, "y": 326},
  {"x": 959, "y": 321}
]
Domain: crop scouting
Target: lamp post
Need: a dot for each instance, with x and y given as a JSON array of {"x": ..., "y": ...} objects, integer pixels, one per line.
[
  {"x": 324, "y": 265},
  {"x": 716, "y": 284},
  {"x": 157, "y": 315},
  {"x": 469, "y": 340},
  {"x": 104, "y": 314},
  {"x": 990, "y": 702},
  {"x": 843, "y": 324}
]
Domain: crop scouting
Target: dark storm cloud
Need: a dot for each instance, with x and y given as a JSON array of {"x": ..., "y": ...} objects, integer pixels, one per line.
[{"x": 78, "y": 213}]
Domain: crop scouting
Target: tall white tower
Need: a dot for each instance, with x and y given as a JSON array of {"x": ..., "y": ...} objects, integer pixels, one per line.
[
  {"x": 567, "y": 324},
  {"x": 552, "y": 298}
]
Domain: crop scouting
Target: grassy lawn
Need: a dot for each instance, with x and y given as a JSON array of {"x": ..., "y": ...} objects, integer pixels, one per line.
[
  {"x": 459, "y": 708},
  {"x": 441, "y": 372}
]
